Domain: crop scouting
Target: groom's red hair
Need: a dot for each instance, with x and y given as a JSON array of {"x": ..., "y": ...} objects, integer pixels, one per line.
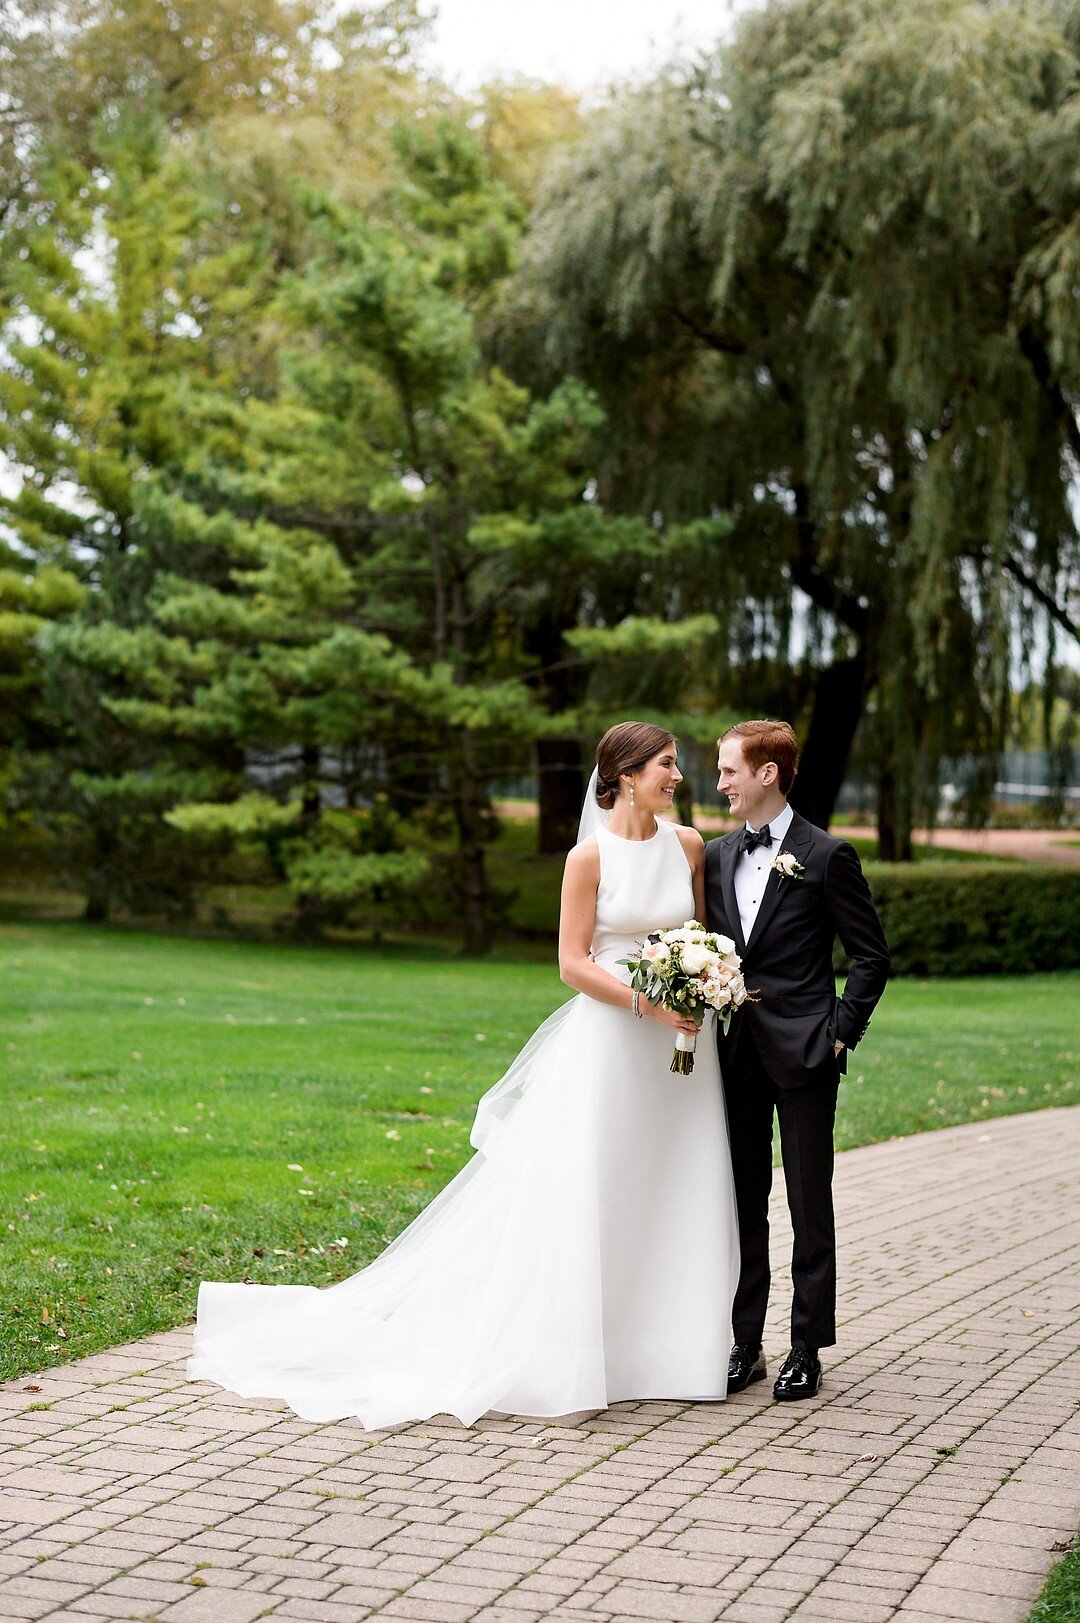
[{"x": 764, "y": 741}]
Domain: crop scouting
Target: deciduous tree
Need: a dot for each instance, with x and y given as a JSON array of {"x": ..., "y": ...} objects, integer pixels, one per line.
[{"x": 825, "y": 281}]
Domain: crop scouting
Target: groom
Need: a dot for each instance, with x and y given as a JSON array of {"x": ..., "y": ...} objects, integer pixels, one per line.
[{"x": 784, "y": 890}]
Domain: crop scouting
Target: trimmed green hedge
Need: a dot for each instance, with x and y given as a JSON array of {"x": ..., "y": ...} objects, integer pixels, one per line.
[{"x": 984, "y": 918}]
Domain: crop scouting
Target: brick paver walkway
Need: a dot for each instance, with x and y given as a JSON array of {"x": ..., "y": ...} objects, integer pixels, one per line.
[{"x": 934, "y": 1478}]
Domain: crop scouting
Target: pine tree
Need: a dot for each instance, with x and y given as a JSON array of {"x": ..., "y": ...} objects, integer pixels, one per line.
[
  {"x": 412, "y": 472},
  {"x": 304, "y": 636},
  {"x": 30, "y": 600},
  {"x": 98, "y": 358},
  {"x": 139, "y": 274}
]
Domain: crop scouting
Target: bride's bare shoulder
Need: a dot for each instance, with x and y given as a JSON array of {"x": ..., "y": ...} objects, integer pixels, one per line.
[
  {"x": 583, "y": 860},
  {"x": 691, "y": 840}
]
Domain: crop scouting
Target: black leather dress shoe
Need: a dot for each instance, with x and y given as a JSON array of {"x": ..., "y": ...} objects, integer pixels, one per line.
[
  {"x": 746, "y": 1365},
  {"x": 799, "y": 1377}
]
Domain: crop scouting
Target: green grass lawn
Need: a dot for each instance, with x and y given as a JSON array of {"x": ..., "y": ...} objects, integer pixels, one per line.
[
  {"x": 176, "y": 1109},
  {"x": 1060, "y": 1599}
]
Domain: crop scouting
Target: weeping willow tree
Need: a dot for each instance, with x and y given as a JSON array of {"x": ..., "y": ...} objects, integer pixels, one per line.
[{"x": 826, "y": 281}]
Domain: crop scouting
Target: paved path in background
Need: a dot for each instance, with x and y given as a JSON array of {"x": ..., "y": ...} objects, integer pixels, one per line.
[
  {"x": 1029, "y": 844},
  {"x": 934, "y": 1479},
  {"x": 1026, "y": 844}
]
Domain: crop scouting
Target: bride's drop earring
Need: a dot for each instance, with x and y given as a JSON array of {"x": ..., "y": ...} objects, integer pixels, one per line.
[{"x": 631, "y": 794}]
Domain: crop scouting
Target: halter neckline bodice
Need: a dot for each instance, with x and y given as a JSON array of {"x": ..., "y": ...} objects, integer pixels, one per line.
[{"x": 645, "y": 885}]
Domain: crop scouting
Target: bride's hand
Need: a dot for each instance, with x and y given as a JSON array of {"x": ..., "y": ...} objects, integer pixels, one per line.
[{"x": 669, "y": 1017}]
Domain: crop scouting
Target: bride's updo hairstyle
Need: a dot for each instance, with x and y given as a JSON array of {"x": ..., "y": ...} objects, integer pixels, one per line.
[{"x": 626, "y": 747}]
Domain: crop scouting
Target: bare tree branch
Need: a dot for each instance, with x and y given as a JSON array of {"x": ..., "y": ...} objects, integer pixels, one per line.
[
  {"x": 1059, "y": 615},
  {"x": 713, "y": 340}
]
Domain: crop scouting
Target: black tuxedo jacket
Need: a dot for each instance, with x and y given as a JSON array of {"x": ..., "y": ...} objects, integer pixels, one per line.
[{"x": 788, "y": 958}]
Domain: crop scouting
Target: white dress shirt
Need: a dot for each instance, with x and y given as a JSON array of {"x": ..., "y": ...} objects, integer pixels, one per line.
[{"x": 752, "y": 870}]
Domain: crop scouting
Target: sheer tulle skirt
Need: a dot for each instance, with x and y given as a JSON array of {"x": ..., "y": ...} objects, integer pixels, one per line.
[{"x": 587, "y": 1253}]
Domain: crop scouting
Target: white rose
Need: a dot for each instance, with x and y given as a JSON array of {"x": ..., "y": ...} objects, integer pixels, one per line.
[
  {"x": 717, "y": 996},
  {"x": 695, "y": 958},
  {"x": 725, "y": 945}
]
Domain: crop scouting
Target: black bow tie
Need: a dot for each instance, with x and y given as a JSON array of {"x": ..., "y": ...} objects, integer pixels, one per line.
[{"x": 751, "y": 841}]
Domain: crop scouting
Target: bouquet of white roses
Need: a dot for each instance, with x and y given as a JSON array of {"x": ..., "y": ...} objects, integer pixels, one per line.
[{"x": 689, "y": 970}]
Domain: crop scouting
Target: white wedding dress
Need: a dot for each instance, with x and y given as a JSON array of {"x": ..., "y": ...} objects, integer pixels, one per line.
[{"x": 588, "y": 1253}]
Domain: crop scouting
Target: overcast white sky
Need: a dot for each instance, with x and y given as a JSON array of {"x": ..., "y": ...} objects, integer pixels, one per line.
[{"x": 575, "y": 42}]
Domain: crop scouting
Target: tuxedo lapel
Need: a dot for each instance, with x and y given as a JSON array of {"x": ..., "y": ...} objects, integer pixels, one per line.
[
  {"x": 729, "y": 855},
  {"x": 798, "y": 837}
]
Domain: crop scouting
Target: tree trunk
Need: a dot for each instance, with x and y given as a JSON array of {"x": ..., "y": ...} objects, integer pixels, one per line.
[
  {"x": 96, "y": 910},
  {"x": 98, "y": 881},
  {"x": 469, "y": 808},
  {"x": 474, "y": 876},
  {"x": 468, "y": 791},
  {"x": 558, "y": 682},
  {"x": 560, "y": 781},
  {"x": 310, "y": 764},
  {"x": 894, "y": 828},
  {"x": 838, "y": 706},
  {"x": 309, "y": 917},
  {"x": 684, "y": 803}
]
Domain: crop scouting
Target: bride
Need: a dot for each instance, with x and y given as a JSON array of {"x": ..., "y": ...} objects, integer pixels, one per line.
[{"x": 588, "y": 1252}]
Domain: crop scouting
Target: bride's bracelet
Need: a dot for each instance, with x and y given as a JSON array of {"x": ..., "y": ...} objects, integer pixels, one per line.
[{"x": 635, "y": 1004}]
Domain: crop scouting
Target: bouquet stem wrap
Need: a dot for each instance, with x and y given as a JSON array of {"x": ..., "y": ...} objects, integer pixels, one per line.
[{"x": 682, "y": 1061}]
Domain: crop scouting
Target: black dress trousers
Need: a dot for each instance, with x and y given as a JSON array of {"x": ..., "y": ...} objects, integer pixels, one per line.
[{"x": 806, "y": 1117}]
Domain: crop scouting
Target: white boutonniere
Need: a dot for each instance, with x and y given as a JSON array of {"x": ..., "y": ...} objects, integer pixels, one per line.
[{"x": 788, "y": 866}]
